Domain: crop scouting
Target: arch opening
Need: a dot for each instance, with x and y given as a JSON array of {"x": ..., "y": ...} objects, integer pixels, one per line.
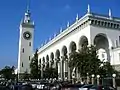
[
  {"x": 72, "y": 47},
  {"x": 57, "y": 54},
  {"x": 64, "y": 51},
  {"x": 52, "y": 59},
  {"x": 83, "y": 41},
  {"x": 47, "y": 61},
  {"x": 102, "y": 44}
]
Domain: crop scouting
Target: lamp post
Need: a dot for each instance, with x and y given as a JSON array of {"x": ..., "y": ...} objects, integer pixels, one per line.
[
  {"x": 114, "y": 83},
  {"x": 73, "y": 77},
  {"x": 98, "y": 77},
  {"x": 87, "y": 78},
  {"x": 93, "y": 78}
]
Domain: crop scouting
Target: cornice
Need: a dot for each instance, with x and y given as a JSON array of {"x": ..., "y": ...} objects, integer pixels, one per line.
[{"x": 88, "y": 19}]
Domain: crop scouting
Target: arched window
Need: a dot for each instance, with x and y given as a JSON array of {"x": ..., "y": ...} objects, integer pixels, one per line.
[
  {"x": 22, "y": 64},
  {"x": 29, "y": 43},
  {"x": 29, "y": 57},
  {"x": 23, "y": 50}
]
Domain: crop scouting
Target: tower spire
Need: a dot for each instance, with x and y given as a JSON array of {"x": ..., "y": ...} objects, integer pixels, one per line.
[
  {"x": 28, "y": 5},
  {"x": 27, "y": 18}
]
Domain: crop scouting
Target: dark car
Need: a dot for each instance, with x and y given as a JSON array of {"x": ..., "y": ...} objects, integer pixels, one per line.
[
  {"x": 27, "y": 87},
  {"x": 108, "y": 88},
  {"x": 96, "y": 87}
]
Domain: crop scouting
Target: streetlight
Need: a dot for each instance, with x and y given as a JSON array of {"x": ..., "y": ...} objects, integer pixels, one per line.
[
  {"x": 73, "y": 77},
  {"x": 114, "y": 83},
  {"x": 93, "y": 78},
  {"x": 88, "y": 78},
  {"x": 98, "y": 77}
]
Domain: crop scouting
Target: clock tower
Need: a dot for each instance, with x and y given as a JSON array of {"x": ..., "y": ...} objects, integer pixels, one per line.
[{"x": 25, "y": 44}]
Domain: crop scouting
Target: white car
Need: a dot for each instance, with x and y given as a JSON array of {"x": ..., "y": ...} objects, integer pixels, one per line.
[{"x": 40, "y": 86}]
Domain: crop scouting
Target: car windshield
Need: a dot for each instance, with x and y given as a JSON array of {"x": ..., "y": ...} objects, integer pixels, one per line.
[{"x": 87, "y": 86}]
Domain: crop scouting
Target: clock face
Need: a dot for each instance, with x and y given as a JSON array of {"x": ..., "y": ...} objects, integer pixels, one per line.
[{"x": 27, "y": 35}]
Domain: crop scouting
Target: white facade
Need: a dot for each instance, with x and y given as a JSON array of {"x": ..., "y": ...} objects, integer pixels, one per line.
[
  {"x": 100, "y": 30},
  {"x": 25, "y": 44}
]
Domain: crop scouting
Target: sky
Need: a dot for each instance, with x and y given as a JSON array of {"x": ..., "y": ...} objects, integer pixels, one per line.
[{"x": 49, "y": 16}]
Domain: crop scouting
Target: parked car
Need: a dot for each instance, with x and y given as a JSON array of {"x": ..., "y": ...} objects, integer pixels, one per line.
[
  {"x": 43, "y": 86},
  {"x": 108, "y": 88},
  {"x": 86, "y": 87},
  {"x": 96, "y": 87}
]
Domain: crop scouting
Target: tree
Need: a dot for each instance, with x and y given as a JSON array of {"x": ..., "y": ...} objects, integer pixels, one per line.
[
  {"x": 26, "y": 75},
  {"x": 86, "y": 61},
  {"x": 39, "y": 70},
  {"x": 34, "y": 66},
  {"x": 106, "y": 70},
  {"x": 8, "y": 73}
]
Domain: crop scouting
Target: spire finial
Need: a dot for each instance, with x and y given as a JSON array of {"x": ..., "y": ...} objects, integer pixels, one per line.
[
  {"x": 28, "y": 5},
  {"x": 77, "y": 17},
  {"x": 27, "y": 14},
  {"x": 110, "y": 13},
  {"x": 61, "y": 29},
  {"x": 68, "y": 24},
  {"x": 55, "y": 34},
  {"x": 50, "y": 38},
  {"x": 88, "y": 9}
]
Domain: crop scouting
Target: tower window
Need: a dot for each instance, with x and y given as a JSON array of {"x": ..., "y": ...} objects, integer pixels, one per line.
[
  {"x": 119, "y": 40},
  {"x": 29, "y": 57},
  {"x": 23, "y": 50},
  {"x": 22, "y": 64},
  {"x": 29, "y": 43},
  {"x": 116, "y": 43},
  {"x": 119, "y": 56}
]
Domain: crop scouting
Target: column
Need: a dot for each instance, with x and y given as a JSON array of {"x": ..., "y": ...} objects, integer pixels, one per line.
[
  {"x": 77, "y": 74},
  {"x": 69, "y": 70},
  {"x": 55, "y": 64},
  {"x": 59, "y": 69},
  {"x": 66, "y": 69},
  {"x": 45, "y": 65},
  {"x": 41, "y": 71},
  {"x": 49, "y": 63},
  {"x": 62, "y": 69}
]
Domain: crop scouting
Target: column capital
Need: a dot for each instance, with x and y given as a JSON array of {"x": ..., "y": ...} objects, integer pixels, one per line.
[
  {"x": 57, "y": 60},
  {"x": 64, "y": 58}
]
